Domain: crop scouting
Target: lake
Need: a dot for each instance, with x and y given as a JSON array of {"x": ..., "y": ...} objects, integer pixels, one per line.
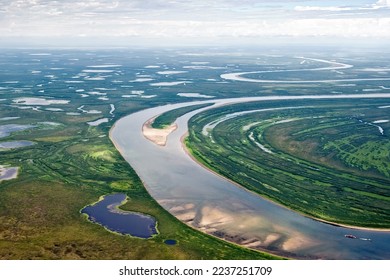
[{"x": 107, "y": 214}]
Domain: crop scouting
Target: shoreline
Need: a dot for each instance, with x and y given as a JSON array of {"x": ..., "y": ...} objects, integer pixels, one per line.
[{"x": 182, "y": 140}]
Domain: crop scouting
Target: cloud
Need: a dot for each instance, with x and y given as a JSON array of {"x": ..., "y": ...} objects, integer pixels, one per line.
[
  {"x": 378, "y": 5},
  {"x": 313, "y": 8},
  {"x": 359, "y": 28},
  {"x": 190, "y": 19},
  {"x": 382, "y": 4}
]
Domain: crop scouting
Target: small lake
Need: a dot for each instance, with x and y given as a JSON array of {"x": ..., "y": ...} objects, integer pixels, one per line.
[
  {"x": 170, "y": 242},
  {"x": 8, "y": 173},
  {"x": 6, "y": 130},
  {"x": 15, "y": 144},
  {"x": 106, "y": 213}
]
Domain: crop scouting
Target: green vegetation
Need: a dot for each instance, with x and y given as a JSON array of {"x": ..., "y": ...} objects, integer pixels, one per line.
[
  {"x": 169, "y": 117},
  {"x": 321, "y": 159},
  {"x": 371, "y": 155}
]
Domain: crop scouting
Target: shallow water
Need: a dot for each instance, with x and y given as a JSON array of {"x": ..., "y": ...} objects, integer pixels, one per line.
[
  {"x": 98, "y": 122},
  {"x": 8, "y": 173},
  {"x": 7, "y": 129},
  {"x": 106, "y": 213},
  {"x": 216, "y": 206},
  {"x": 15, "y": 144}
]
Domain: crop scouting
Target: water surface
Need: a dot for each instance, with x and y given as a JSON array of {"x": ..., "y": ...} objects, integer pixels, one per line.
[
  {"x": 15, "y": 144},
  {"x": 106, "y": 213},
  {"x": 8, "y": 173},
  {"x": 7, "y": 129}
]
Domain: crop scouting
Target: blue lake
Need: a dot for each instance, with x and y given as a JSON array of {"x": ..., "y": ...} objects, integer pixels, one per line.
[
  {"x": 106, "y": 213},
  {"x": 170, "y": 242}
]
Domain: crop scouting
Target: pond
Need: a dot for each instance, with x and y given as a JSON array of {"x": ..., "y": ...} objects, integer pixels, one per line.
[
  {"x": 8, "y": 173},
  {"x": 7, "y": 129},
  {"x": 170, "y": 242},
  {"x": 15, "y": 144},
  {"x": 107, "y": 214}
]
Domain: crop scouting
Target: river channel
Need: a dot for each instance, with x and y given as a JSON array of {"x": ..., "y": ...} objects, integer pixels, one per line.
[{"x": 216, "y": 206}]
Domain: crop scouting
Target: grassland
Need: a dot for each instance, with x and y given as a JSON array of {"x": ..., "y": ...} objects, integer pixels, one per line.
[{"x": 323, "y": 159}]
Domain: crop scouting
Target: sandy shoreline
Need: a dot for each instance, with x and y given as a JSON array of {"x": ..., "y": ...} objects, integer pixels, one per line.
[
  {"x": 303, "y": 214},
  {"x": 157, "y": 136}
]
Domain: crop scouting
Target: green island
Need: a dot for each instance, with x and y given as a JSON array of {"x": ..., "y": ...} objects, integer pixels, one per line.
[
  {"x": 320, "y": 158},
  {"x": 167, "y": 118}
]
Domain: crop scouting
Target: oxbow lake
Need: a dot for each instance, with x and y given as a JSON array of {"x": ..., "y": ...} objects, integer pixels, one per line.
[{"x": 107, "y": 214}]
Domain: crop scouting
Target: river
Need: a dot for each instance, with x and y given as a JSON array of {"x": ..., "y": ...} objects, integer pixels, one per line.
[{"x": 216, "y": 206}]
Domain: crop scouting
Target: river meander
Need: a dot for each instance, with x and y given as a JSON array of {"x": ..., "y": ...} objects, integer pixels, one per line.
[{"x": 216, "y": 206}]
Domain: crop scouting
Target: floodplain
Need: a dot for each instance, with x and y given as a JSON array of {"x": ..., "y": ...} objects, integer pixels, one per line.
[{"x": 58, "y": 107}]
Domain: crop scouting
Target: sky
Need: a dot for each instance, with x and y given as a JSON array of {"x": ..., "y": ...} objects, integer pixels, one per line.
[{"x": 178, "y": 21}]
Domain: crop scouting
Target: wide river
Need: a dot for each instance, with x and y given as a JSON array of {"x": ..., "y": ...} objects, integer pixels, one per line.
[{"x": 216, "y": 206}]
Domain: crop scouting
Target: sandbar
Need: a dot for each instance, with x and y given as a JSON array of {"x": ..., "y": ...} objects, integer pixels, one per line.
[{"x": 157, "y": 136}]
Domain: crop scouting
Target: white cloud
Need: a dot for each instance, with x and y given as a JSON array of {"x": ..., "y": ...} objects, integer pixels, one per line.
[
  {"x": 314, "y": 8},
  {"x": 382, "y": 4},
  {"x": 358, "y": 28},
  {"x": 190, "y": 19},
  {"x": 345, "y": 27},
  {"x": 378, "y": 5}
]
